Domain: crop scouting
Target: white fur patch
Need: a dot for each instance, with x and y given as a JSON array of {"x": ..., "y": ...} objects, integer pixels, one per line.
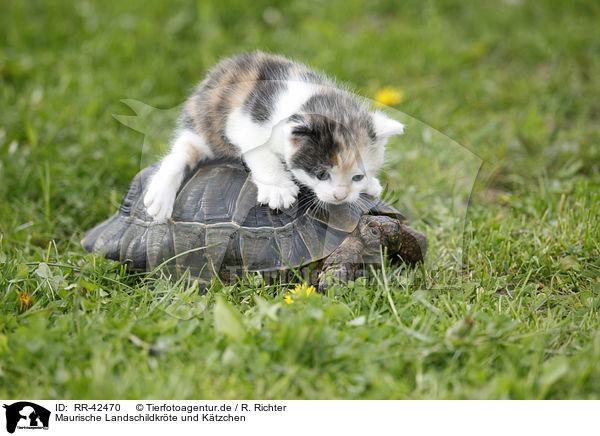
[
  {"x": 244, "y": 133},
  {"x": 291, "y": 100}
]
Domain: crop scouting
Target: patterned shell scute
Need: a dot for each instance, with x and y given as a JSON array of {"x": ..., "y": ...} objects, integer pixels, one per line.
[{"x": 209, "y": 197}]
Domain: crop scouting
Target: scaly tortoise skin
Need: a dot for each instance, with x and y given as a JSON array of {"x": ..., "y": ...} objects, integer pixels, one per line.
[{"x": 218, "y": 229}]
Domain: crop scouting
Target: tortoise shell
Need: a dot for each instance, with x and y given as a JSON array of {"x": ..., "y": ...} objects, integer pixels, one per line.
[{"x": 217, "y": 226}]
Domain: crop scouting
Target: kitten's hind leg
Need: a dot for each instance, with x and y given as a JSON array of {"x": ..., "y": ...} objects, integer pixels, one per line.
[{"x": 187, "y": 150}]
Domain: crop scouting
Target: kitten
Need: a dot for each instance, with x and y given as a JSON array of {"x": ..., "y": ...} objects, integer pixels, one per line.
[{"x": 288, "y": 123}]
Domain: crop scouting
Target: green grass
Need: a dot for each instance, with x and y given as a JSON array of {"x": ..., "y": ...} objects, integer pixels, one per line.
[{"x": 515, "y": 82}]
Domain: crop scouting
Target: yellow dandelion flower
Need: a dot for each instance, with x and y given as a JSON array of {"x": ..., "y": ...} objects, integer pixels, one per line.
[
  {"x": 302, "y": 289},
  {"x": 310, "y": 290},
  {"x": 389, "y": 96},
  {"x": 24, "y": 300}
]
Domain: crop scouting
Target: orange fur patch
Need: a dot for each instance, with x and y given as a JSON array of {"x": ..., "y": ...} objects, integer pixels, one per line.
[{"x": 347, "y": 160}]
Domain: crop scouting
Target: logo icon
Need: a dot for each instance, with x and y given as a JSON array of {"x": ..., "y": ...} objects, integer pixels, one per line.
[{"x": 26, "y": 415}]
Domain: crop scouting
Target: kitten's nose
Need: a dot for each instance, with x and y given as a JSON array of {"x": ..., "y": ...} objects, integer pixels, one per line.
[{"x": 339, "y": 197}]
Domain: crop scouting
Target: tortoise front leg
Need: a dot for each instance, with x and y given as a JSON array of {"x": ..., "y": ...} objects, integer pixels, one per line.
[{"x": 342, "y": 263}]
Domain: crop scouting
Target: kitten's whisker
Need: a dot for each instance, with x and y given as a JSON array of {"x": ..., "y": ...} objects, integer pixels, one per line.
[
  {"x": 306, "y": 201},
  {"x": 312, "y": 206}
]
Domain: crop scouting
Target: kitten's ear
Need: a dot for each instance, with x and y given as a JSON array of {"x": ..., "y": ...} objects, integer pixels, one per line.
[
  {"x": 385, "y": 126},
  {"x": 296, "y": 128},
  {"x": 288, "y": 133}
]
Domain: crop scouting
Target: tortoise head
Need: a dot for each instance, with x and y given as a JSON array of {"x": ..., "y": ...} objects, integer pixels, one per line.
[{"x": 376, "y": 230}]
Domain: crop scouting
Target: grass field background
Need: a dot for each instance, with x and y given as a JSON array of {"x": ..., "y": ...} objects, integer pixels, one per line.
[{"x": 514, "y": 82}]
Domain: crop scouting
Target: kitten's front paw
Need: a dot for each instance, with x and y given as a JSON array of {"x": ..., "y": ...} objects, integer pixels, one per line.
[
  {"x": 374, "y": 188},
  {"x": 279, "y": 196},
  {"x": 159, "y": 201}
]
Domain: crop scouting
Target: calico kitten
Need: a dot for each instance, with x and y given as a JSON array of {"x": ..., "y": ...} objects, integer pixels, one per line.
[{"x": 289, "y": 124}]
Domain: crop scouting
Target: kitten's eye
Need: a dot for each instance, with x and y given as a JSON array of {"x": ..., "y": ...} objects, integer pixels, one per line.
[
  {"x": 322, "y": 175},
  {"x": 358, "y": 177}
]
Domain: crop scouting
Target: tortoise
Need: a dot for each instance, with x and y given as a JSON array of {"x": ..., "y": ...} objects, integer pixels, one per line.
[{"x": 219, "y": 229}]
